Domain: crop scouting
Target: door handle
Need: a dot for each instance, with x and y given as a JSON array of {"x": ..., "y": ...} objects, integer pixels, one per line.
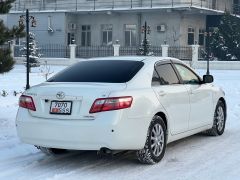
[{"x": 161, "y": 93}]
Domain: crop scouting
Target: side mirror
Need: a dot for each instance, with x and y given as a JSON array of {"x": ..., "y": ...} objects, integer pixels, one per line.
[{"x": 208, "y": 79}]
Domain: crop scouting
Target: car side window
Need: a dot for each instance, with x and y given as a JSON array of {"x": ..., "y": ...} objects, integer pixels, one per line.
[
  {"x": 187, "y": 75},
  {"x": 155, "y": 79},
  {"x": 165, "y": 74}
]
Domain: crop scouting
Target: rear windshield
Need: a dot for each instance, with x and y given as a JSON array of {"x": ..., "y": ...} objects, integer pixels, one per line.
[{"x": 108, "y": 71}]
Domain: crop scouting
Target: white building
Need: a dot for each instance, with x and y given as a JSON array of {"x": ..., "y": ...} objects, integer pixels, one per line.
[{"x": 102, "y": 22}]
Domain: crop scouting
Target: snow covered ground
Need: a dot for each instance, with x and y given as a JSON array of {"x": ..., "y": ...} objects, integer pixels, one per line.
[{"x": 196, "y": 157}]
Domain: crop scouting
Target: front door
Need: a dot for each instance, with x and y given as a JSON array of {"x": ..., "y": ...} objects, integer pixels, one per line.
[{"x": 201, "y": 104}]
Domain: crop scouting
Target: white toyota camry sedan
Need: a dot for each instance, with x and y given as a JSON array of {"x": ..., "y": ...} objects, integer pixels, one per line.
[{"x": 121, "y": 103}]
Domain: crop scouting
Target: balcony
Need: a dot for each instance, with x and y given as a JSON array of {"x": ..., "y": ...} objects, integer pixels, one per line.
[{"x": 104, "y": 5}]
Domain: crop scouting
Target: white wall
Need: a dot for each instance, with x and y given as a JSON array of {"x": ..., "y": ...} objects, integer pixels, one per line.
[
  {"x": 191, "y": 20},
  {"x": 171, "y": 20}
]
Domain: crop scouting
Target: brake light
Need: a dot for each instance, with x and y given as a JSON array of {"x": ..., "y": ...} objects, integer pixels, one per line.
[
  {"x": 112, "y": 103},
  {"x": 27, "y": 102}
]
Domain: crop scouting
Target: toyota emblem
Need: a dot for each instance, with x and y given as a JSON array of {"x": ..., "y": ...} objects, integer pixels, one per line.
[{"x": 60, "y": 95}]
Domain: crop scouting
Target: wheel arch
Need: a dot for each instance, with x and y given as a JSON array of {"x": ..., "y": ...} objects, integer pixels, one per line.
[
  {"x": 225, "y": 104},
  {"x": 164, "y": 117}
]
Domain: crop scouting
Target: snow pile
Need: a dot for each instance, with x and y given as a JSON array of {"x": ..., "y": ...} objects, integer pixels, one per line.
[{"x": 196, "y": 157}]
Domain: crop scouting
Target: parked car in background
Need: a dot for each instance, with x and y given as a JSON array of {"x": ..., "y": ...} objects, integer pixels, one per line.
[{"x": 121, "y": 103}]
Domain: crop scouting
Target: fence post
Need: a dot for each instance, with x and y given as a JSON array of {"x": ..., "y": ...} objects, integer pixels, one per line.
[
  {"x": 195, "y": 51},
  {"x": 12, "y": 45},
  {"x": 165, "y": 50},
  {"x": 116, "y": 49},
  {"x": 72, "y": 51}
]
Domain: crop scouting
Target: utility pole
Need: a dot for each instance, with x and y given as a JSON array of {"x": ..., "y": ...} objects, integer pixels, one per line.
[
  {"x": 145, "y": 30},
  {"x": 208, "y": 35},
  {"x": 21, "y": 22},
  {"x": 27, "y": 40}
]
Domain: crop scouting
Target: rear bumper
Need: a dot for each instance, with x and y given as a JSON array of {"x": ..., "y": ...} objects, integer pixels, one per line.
[{"x": 105, "y": 131}]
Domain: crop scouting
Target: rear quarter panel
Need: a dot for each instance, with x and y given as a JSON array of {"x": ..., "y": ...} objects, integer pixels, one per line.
[{"x": 136, "y": 120}]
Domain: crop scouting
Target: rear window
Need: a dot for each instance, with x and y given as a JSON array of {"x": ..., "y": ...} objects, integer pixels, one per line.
[{"x": 108, "y": 71}]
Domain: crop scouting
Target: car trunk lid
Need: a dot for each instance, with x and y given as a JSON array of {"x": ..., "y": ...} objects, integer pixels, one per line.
[{"x": 80, "y": 95}]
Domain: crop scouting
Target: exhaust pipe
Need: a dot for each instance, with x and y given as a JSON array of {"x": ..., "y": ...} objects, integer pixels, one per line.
[{"x": 105, "y": 152}]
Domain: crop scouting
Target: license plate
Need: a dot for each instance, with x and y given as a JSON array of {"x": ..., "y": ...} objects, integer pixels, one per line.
[{"x": 61, "y": 107}]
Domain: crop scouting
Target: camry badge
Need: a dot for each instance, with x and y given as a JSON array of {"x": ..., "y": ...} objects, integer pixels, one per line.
[{"x": 60, "y": 95}]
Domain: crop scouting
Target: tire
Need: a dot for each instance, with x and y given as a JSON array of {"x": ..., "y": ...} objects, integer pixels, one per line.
[
  {"x": 51, "y": 151},
  {"x": 155, "y": 145},
  {"x": 219, "y": 120}
]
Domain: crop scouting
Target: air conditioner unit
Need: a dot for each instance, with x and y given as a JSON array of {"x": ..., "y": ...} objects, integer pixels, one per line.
[
  {"x": 72, "y": 26},
  {"x": 161, "y": 28}
]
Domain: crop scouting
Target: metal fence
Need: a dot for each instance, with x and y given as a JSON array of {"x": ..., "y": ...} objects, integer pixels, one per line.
[
  {"x": 94, "y": 51},
  {"x": 47, "y": 50},
  {"x": 4, "y": 47},
  {"x": 232, "y": 55},
  {"x": 17, "y": 51},
  {"x": 201, "y": 53},
  {"x": 181, "y": 52},
  {"x": 92, "y": 5},
  {"x": 128, "y": 51},
  {"x": 55, "y": 50},
  {"x": 157, "y": 50},
  {"x": 134, "y": 50},
  {"x": 62, "y": 51}
]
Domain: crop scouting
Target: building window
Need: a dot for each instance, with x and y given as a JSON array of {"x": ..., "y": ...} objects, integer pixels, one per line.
[
  {"x": 86, "y": 35},
  {"x": 17, "y": 41},
  {"x": 201, "y": 37},
  {"x": 130, "y": 35},
  {"x": 190, "y": 36},
  {"x": 71, "y": 38},
  {"x": 107, "y": 34},
  {"x": 214, "y": 4},
  {"x": 236, "y": 6}
]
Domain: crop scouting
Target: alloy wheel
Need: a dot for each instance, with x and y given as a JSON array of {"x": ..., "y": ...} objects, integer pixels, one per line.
[
  {"x": 157, "y": 140},
  {"x": 220, "y": 118}
]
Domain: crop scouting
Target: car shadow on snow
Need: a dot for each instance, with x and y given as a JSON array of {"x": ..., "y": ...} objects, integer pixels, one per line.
[
  {"x": 78, "y": 159},
  {"x": 88, "y": 163}
]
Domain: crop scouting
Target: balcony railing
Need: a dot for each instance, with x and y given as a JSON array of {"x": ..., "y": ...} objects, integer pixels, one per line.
[{"x": 98, "y": 5}]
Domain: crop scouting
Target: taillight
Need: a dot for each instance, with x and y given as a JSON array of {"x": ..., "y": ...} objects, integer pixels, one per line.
[
  {"x": 27, "y": 102},
  {"x": 112, "y": 103}
]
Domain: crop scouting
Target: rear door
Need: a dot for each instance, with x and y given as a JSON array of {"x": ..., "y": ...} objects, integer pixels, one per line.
[
  {"x": 172, "y": 95},
  {"x": 200, "y": 97}
]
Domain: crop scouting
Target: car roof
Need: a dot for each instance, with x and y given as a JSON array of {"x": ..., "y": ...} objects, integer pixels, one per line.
[{"x": 145, "y": 59}]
